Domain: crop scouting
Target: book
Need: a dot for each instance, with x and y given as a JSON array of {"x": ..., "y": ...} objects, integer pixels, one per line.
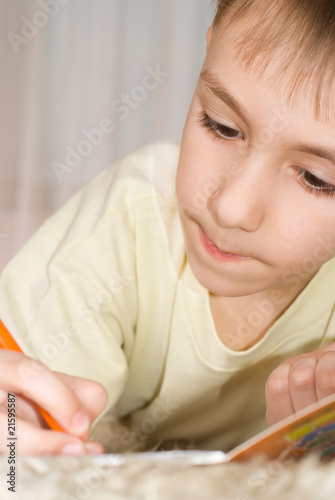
[{"x": 309, "y": 430}]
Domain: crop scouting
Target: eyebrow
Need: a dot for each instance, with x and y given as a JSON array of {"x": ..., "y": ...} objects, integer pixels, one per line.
[
  {"x": 216, "y": 88},
  {"x": 327, "y": 154}
]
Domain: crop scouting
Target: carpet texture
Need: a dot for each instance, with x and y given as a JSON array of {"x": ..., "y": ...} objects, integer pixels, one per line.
[
  {"x": 57, "y": 478},
  {"x": 66, "y": 478}
]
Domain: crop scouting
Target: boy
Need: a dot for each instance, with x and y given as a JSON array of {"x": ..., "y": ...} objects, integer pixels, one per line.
[{"x": 186, "y": 291}]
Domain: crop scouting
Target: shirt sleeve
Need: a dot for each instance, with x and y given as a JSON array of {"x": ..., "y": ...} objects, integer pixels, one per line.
[{"x": 69, "y": 297}]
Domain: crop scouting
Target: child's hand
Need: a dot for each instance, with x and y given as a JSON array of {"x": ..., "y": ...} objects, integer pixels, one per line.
[
  {"x": 72, "y": 401},
  {"x": 299, "y": 382}
]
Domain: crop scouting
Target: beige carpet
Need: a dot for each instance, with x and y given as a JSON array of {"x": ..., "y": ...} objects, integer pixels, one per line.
[
  {"x": 56, "y": 478},
  {"x": 66, "y": 478}
]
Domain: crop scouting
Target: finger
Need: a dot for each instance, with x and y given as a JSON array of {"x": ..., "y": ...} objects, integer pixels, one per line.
[
  {"x": 302, "y": 383},
  {"x": 92, "y": 395},
  {"x": 27, "y": 410},
  {"x": 36, "y": 382},
  {"x": 325, "y": 375},
  {"x": 3, "y": 397},
  {"x": 31, "y": 440},
  {"x": 316, "y": 354},
  {"x": 326, "y": 348},
  {"x": 23, "y": 408},
  {"x": 278, "y": 398}
]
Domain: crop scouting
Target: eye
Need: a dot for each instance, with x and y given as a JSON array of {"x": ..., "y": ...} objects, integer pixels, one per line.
[
  {"x": 218, "y": 130},
  {"x": 313, "y": 184}
]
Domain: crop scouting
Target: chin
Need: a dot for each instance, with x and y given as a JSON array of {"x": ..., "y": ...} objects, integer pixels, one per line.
[{"x": 224, "y": 287}]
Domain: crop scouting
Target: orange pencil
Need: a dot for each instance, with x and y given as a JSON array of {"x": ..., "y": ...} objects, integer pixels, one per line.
[{"x": 7, "y": 342}]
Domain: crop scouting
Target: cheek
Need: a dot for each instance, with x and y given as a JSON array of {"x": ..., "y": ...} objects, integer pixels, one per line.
[
  {"x": 200, "y": 168},
  {"x": 190, "y": 173},
  {"x": 306, "y": 242},
  {"x": 321, "y": 242},
  {"x": 192, "y": 185}
]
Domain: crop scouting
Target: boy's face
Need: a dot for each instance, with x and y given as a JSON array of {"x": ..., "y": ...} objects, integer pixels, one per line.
[{"x": 247, "y": 187}]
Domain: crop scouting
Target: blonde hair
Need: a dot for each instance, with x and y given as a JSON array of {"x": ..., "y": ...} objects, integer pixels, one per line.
[{"x": 298, "y": 34}]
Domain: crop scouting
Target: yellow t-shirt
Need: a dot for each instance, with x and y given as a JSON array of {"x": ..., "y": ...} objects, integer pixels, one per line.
[{"x": 104, "y": 290}]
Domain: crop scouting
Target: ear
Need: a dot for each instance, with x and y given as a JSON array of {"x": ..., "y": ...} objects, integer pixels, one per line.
[{"x": 209, "y": 35}]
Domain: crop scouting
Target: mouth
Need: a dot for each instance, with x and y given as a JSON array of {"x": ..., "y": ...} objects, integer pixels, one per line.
[{"x": 212, "y": 249}]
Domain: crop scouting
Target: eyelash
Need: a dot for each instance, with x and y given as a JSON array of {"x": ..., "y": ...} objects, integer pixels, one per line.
[
  {"x": 216, "y": 129},
  {"x": 314, "y": 185},
  {"x": 308, "y": 181}
]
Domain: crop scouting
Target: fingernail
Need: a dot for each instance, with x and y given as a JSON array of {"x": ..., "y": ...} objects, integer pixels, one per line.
[
  {"x": 93, "y": 448},
  {"x": 283, "y": 369},
  {"x": 80, "y": 421},
  {"x": 73, "y": 449}
]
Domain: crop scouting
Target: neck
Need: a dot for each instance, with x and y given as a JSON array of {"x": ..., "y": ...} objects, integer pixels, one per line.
[{"x": 242, "y": 321}]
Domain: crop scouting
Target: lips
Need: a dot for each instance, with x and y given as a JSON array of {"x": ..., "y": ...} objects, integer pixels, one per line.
[{"x": 217, "y": 252}]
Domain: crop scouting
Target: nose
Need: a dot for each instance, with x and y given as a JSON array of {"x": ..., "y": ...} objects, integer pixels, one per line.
[{"x": 241, "y": 200}]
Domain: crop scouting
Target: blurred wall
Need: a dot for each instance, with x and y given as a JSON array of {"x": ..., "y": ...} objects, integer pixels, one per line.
[{"x": 72, "y": 66}]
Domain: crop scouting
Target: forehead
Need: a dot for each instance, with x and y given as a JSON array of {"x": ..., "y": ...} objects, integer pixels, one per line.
[{"x": 303, "y": 80}]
